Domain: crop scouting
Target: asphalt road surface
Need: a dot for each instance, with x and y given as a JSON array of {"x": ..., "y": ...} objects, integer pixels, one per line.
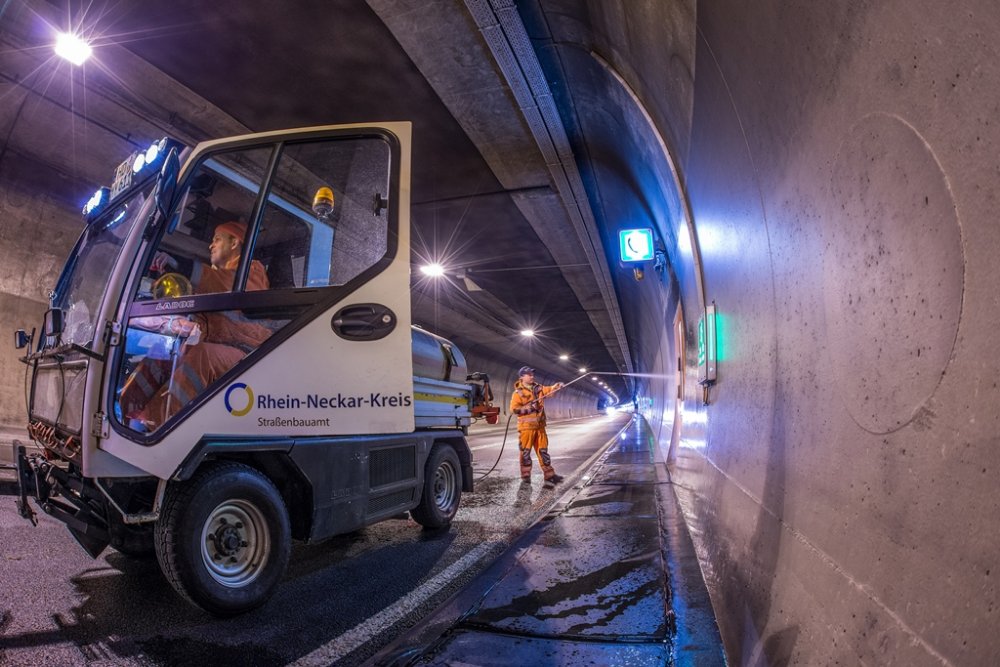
[{"x": 340, "y": 602}]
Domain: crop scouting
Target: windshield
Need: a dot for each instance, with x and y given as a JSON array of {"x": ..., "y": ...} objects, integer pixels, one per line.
[{"x": 89, "y": 268}]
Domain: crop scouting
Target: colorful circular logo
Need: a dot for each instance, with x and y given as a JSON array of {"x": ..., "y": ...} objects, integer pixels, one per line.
[{"x": 239, "y": 412}]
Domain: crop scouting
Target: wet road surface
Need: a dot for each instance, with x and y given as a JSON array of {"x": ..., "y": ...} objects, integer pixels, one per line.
[{"x": 340, "y": 602}]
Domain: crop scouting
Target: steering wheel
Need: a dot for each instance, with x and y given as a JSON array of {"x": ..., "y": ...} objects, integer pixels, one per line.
[{"x": 171, "y": 285}]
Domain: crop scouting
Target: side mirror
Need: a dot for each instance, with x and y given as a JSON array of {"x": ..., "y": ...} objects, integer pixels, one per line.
[
  {"x": 22, "y": 339},
  {"x": 166, "y": 187},
  {"x": 167, "y": 183},
  {"x": 53, "y": 322}
]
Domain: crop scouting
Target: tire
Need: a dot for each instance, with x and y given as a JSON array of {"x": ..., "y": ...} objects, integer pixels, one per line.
[
  {"x": 223, "y": 538},
  {"x": 442, "y": 490}
]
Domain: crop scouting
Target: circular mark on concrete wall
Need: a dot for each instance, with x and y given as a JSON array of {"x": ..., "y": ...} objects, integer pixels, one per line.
[{"x": 893, "y": 273}]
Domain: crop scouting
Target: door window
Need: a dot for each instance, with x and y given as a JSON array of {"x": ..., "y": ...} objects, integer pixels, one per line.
[
  {"x": 252, "y": 229},
  {"x": 323, "y": 221},
  {"x": 201, "y": 249}
]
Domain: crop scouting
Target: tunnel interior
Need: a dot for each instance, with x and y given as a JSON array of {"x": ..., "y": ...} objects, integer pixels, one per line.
[{"x": 825, "y": 176}]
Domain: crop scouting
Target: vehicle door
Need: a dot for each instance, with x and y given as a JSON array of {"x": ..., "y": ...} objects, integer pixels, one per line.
[{"x": 272, "y": 299}]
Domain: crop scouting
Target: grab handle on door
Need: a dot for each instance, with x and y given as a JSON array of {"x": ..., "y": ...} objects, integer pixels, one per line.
[{"x": 363, "y": 321}]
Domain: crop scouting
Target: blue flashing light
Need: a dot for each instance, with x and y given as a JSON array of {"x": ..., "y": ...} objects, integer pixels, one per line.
[
  {"x": 152, "y": 153},
  {"x": 137, "y": 166},
  {"x": 97, "y": 201},
  {"x": 146, "y": 159},
  {"x": 636, "y": 245}
]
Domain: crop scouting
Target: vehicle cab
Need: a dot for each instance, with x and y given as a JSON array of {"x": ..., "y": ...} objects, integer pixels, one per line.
[{"x": 227, "y": 361}]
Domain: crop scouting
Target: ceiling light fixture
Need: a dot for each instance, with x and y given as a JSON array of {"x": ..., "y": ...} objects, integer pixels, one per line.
[{"x": 72, "y": 48}]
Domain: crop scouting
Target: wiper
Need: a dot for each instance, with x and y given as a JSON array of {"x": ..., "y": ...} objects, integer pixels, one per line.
[{"x": 59, "y": 353}]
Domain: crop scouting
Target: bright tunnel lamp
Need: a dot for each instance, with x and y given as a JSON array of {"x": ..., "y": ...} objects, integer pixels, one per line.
[{"x": 72, "y": 48}]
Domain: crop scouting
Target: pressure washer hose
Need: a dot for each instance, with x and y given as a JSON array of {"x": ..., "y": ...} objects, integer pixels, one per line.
[{"x": 500, "y": 455}]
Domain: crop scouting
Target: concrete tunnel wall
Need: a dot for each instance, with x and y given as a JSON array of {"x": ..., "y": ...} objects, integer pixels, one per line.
[{"x": 840, "y": 164}]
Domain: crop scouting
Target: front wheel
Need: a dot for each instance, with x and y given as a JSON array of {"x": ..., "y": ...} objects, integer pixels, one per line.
[
  {"x": 442, "y": 488},
  {"x": 223, "y": 538}
]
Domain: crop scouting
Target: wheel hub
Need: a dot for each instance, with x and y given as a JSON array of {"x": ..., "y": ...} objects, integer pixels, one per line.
[
  {"x": 227, "y": 540},
  {"x": 236, "y": 543},
  {"x": 445, "y": 485}
]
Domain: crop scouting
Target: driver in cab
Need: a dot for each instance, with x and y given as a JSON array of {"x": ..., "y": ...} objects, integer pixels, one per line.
[{"x": 213, "y": 341}]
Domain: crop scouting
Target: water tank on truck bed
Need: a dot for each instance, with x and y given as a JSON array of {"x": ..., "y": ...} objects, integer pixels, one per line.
[{"x": 445, "y": 393}]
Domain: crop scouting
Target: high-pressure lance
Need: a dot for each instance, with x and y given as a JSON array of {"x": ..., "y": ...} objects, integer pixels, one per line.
[
  {"x": 577, "y": 379},
  {"x": 571, "y": 382},
  {"x": 564, "y": 386}
]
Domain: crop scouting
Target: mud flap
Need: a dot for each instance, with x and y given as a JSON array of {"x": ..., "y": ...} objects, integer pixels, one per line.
[
  {"x": 92, "y": 545},
  {"x": 82, "y": 526}
]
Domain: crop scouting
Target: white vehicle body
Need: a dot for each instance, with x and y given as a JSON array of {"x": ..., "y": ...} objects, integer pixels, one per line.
[{"x": 227, "y": 420}]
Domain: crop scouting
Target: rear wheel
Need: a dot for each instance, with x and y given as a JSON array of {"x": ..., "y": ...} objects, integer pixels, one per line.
[
  {"x": 442, "y": 488},
  {"x": 223, "y": 538}
]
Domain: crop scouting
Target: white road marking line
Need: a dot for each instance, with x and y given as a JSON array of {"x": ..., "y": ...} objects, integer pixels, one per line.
[{"x": 364, "y": 632}]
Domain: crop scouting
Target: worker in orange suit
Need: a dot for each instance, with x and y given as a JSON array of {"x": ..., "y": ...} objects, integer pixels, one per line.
[
  {"x": 214, "y": 341},
  {"x": 528, "y": 403}
]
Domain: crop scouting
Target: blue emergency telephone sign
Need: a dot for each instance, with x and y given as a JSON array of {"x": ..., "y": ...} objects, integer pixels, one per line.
[{"x": 636, "y": 245}]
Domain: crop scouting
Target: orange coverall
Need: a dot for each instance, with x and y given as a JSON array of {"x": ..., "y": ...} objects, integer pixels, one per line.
[
  {"x": 153, "y": 396},
  {"x": 531, "y": 426}
]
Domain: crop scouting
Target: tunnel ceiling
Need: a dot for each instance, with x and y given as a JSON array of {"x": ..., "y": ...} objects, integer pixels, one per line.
[{"x": 488, "y": 199}]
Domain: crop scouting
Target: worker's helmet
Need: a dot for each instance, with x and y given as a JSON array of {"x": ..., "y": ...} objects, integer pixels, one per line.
[{"x": 524, "y": 370}]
